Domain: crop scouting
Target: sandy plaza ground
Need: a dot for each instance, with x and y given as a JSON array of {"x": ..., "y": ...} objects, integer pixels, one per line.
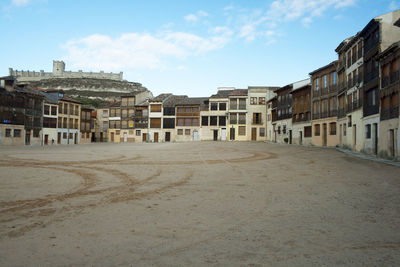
[{"x": 196, "y": 204}]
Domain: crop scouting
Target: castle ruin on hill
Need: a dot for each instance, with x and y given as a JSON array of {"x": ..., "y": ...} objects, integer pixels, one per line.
[
  {"x": 99, "y": 85},
  {"x": 59, "y": 72}
]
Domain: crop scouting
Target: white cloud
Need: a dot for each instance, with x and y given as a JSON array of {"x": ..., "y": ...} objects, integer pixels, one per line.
[
  {"x": 195, "y": 17},
  {"x": 393, "y": 5},
  {"x": 248, "y": 32},
  {"x": 289, "y": 10},
  {"x": 191, "y": 17},
  {"x": 228, "y": 8},
  {"x": 140, "y": 51},
  {"x": 20, "y": 2}
]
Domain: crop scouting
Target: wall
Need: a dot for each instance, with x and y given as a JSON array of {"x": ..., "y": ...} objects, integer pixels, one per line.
[
  {"x": 280, "y": 138},
  {"x": 12, "y": 141},
  {"x": 384, "y": 141},
  {"x": 332, "y": 140},
  {"x": 52, "y": 133},
  {"x": 369, "y": 143},
  {"x": 297, "y": 128},
  {"x": 67, "y": 140}
]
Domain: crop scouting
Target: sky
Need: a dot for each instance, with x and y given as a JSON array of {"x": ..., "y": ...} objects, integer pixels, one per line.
[{"x": 183, "y": 47}]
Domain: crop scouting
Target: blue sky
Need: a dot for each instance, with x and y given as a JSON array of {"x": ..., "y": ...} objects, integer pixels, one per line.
[{"x": 183, "y": 47}]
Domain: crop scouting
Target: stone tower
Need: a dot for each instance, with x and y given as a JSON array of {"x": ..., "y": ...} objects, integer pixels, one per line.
[{"x": 58, "y": 68}]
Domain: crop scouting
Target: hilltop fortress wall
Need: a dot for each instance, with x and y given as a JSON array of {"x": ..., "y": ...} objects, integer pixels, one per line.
[{"x": 59, "y": 72}]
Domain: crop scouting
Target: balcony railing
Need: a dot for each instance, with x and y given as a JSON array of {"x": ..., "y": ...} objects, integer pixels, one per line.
[
  {"x": 370, "y": 110},
  {"x": 370, "y": 76},
  {"x": 390, "y": 113},
  {"x": 341, "y": 87},
  {"x": 341, "y": 112},
  {"x": 356, "y": 104},
  {"x": 188, "y": 114},
  {"x": 316, "y": 116}
]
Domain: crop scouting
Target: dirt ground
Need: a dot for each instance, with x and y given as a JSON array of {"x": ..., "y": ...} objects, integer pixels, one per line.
[{"x": 196, "y": 204}]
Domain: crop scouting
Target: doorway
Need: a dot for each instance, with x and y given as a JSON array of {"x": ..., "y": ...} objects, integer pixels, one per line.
[
  {"x": 46, "y": 139},
  {"x": 125, "y": 137},
  {"x": 58, "y": 138},
  {"x": 301, "y": 138},
  {"x": 391, "y": 143},
  {"x": 223, "y": 134},
  {"x": 195, "y": 135},
  {"x": 215, "y": 135},
  {"x": 324, "y": 135},
  {"x": 28, "y": 137},
  {"x": 144, "y": 137},
  {"x": 155, "y": 137},
  {"x": 112, "y": 137},
  {"x": 76, "y": 139},
  {"x": 232, "y": 133},
  {"x": 354, "y": 135},
  {"x": 167, "y": 137},
  {"x": 290, "y": 137},
  {"x": 253, "y": 134},
  {"x": 375, "y": 138}
]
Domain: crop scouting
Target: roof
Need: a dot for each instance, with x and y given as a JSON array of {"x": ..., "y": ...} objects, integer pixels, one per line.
[
  {"x": 173, "y": 100},
  {"x": 388, "y": 50},
  {"x": 301, "y": 88},
  {"x": 343, "y": 44},
  {"x": 116, "y": 104},
  {"x": 159, "y": 98},
  {"x": 68, "y": 99},
  {"x": 239, "y": 92},
  {"x": 88, "y": 107},
  {"x": 133, "y": 93},
  {"x": 192, "y": 101},
  {"x": 288, "y": 86},
  {"x": 333, "y": 63},
  {"x": 222, "y": 94},
  {"x": 144, "y": 103}
]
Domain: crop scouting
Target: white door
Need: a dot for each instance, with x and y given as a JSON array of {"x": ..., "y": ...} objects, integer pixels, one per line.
[
  {"x": 223, "y": 134},
  {"x": 125, "y": 138},
  {"x": 195, "y": 135}
]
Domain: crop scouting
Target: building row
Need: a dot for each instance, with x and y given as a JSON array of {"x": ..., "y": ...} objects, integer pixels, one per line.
[{"x": 352, "y": 102}]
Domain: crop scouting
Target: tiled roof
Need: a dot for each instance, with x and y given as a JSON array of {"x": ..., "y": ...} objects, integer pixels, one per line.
[
  {"x": 333, "y": 63},
  {"x": 239, "y": 92},
  {"x": 159, "y": 98},
  {"x": 222, "y": 94},
  {"x": 173, "y": 100}
]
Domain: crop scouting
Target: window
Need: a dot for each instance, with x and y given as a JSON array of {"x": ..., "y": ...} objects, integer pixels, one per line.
[
  {"x": 317, "y": 84},
  {"x": 261, "y": 100},
  {"x": 214, "y": 106},
  {"x": 317, "y": 130},
  {"x": 105, "y": 113},
  {"x": 60, "y": 109},
  {"x": 105, "y": 125},
  {"x": 17, "y": 133},
  {"x": 71, "y": 136},
  {"x": 334, "y": 78},
  {"x": 257, "y": 118},
  {"x": 307, "y": 131},
  {"x": 66, "y": 108},
  {"x": 36, "y": 133},
  {"x": 253, "y": 100},
  {"x": 344, "y": 129},
  {"x": 349, "y": 121},
  {"x": 222, "y": 106},
  {"x": 169, "y": 111},
  {"x": 155, "y": 108},
  {"x": 368, "y": 131},
  {"x": 155, "y": 122},
  {"x": 242, "y": 118},
  {"x": 242, "y": 130},
  {"x": 169, "y": 123},
  {"x": 325, "y": 81},
  {"x": 204, "y": 120},
  {"x": 213, "y": 120},
  {"x": 242, "y": 103},
  {"x": 332, "y": 127},
  {"x": 8, "y": 132},
  {"x": 76, "y": 123},
  {"x": 138, "y": 132},
  {"x": 222, "y": 121},
  {"x": 46, "y": 110},
  {"x": 118, "y": 132},
  {"x": 279, "y": 129},
  {"x": 284, "y": 129},
  {"x": 180, "y": 132},
  {"x": 64, "y": 135},
  {"x": 262, "y": 132},
  {"x": 54, "y": 110},
  {"x": 233, "y": 118},
  {"x": 187, "y": 131}
]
